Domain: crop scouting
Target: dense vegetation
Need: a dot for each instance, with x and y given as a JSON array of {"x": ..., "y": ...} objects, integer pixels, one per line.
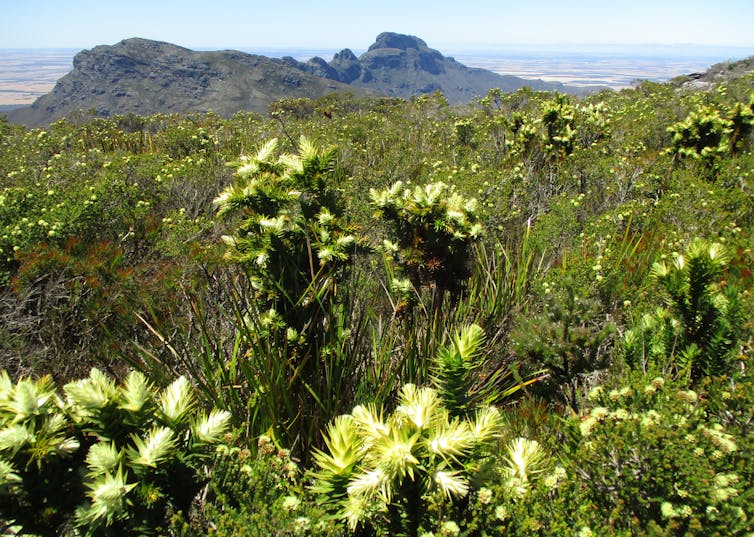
[{"x": 530, "y": 315}]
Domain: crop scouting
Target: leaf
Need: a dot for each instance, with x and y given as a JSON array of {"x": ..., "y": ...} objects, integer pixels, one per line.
[
  {"x": 135, "y": 393},
  {"x": 176, "y": 402},
  {"x": 28, "y": 397},
  {"x": 8, "y": 474},
  {"x": 86, "y": 396},
  {"x": 109, "y": 498},
  {"x": 211, "y": 429},
  {"x": 103, "y": 458},
  {"x": 451, "y": 483},
  {"x": 155, "y": 448}
]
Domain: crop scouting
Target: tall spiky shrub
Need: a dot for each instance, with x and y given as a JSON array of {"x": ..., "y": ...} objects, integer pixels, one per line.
[
  {"x": 435, "y": 228},
  {"x": 741, "y": 117},
  {"x": 702, "y": 136},
  {"x": 697, "y": 328},
  {"x": 460, "y": 380},
  {"x": 293, "y": 244},
  {"x": 557, "y": 118}
]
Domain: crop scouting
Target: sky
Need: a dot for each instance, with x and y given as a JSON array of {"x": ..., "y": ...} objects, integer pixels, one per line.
[{"x": 336, "y": 24}]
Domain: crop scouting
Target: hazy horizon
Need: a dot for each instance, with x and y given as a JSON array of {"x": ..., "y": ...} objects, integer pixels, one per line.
[
  {"x": 26, "y": 74},
  {"x": 328, "y": 24}
]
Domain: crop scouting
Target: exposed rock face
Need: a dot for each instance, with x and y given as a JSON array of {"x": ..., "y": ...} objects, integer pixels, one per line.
[
  {"x": 146, "y": 77},
  {"x": 716, "y": 74},
  {"x": 347, "y": 66},
  {"x": 403, "y": 66}
]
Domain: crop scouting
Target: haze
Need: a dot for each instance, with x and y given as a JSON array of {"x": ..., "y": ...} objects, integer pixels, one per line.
[{"x": 336, "y": 24}]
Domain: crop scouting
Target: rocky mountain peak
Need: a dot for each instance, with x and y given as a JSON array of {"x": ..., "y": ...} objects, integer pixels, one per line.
[
  {"x": 345, "y": 55},
  {"x": 399, "y": 41}
]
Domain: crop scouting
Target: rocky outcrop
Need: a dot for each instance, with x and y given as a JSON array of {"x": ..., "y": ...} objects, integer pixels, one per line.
[
  {"x": 403, "y": 66},
  {"x": 145, "y": 77}
]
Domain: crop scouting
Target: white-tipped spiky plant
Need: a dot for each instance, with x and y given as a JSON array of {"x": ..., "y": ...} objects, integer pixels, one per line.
[
  {"x": 119, "y": 457},
  {"x": 36, "y": 447},
  {"x": 434, "y": 229},
  {"x": 695, "y": 333},
  {"x": 458, "y": 377},
  {"x": 524, "y": 459},
  {"x": 385, "y": 471},
  {"x": 291, "y": 240}
]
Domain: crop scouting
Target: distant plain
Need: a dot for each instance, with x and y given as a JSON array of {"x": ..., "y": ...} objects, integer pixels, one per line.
[{"x": 26, "y": 74}]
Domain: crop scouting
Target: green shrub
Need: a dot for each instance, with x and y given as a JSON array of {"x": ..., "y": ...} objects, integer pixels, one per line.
[
  {"x": 653, "y": 461},
  {"x": 382, "y": 474},
  {"x": 435, "y": 228},
  {"x": 567, "y": 341},
  {"x": 294, "y": 245},
  {"x": 698, "y": 330},
  {"x": 110, "y": 460},
  {"x": 257, "y": 495}
]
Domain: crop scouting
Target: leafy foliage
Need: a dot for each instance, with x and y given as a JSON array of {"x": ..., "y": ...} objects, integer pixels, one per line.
[
  {"x": 121, "y": 457},
  {"x": 686, "y": 475},
  {"x": 698, "y": 329},
  {"x": 400, "y": 464},
  {"x": 582, "y": 234},
  {"x": 434, "y": 230}
]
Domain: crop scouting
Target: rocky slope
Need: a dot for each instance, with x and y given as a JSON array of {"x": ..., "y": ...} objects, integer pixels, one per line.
[
  {"x": 718, "y": 73},
  {"x": 145, "y": 77},
  {"x": 402, "y": 66}
]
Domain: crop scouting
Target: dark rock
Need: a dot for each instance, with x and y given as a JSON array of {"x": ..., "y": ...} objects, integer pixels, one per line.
[
  {"x": 146, "y": 77},
  {"x": 399, "y": 41},
  {"x": 319, "y": 67},
  {"x": 347, "y": 66}
]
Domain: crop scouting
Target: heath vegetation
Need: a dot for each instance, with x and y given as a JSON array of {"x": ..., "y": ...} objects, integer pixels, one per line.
[{"x": 527, "y": 315}]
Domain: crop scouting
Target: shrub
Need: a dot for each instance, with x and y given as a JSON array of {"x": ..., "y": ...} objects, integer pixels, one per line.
[
  {"x": 295, "y": 247},
  {"x": 567, "y": 340},
  {"x": 435, "y": 228},
  {"x": 382, "y": 474},
  {"x": 257, "y": 495},
  {"x": 698, "y": 328},
  {"x": 652, "y": 461},
  {"x": 108, "y": 459}
]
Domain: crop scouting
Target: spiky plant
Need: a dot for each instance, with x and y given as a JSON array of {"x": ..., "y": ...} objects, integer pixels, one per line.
[
  {"x": 291, "y": 239},
  {"x": 567, "y": 340},
  {"x": 459, "y": 379},
  {"x": 37, "y": 447},
  {"x": 119, "y": 457},
  {"x": 703, "y": 136},
  {"x": 523, "y": 459},
  {"x": 560, "y": 135},
  {"x": 696, "y": 330},
  {"x": 435, "y": 227},
  {"x": 453, "y": 366},
  {"x": 387, "y": 470},
  {"x": 293, "y": 243}
]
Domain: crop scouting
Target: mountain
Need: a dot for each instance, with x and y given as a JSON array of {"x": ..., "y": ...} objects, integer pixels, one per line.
[
  {"x": 402, "y": 66},
  {"x": 144, "y": 77}
]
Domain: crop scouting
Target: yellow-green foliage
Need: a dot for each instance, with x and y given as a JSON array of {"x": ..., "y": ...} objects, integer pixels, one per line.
[
  {"x": 119, "y": 458},
  {"x": 383, "y": 472}
]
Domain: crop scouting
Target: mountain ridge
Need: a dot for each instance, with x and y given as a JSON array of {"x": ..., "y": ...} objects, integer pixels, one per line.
[{"x": 143, "y": 76}]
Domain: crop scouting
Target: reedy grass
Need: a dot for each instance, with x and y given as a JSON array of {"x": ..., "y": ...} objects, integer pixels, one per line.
[{"x": 374, "y": 348}]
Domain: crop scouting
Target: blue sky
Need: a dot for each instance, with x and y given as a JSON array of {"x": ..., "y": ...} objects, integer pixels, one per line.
[{"x": 336, "y": 24}]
